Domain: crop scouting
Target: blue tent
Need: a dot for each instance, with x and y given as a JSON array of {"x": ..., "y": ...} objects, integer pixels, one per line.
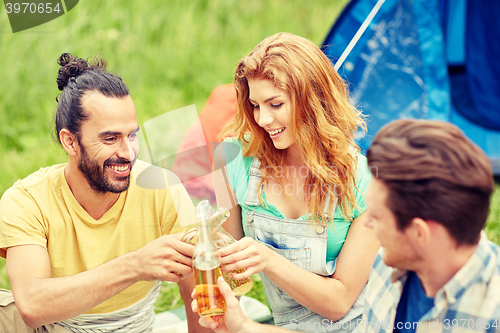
[{"x": 426, "y": 59}]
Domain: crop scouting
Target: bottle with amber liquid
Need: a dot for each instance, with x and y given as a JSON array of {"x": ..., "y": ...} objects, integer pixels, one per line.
[
  {"x": 206, "y": 266},
  {"x": 222, "y": 238}
]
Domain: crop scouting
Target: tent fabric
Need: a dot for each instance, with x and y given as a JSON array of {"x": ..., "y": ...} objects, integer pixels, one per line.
[
  {"x": 397, "y": 69},
  {"x": 404, "y": 66},
  {"x": 194, "y": 165},
  {"x": 476, "y": 87}
]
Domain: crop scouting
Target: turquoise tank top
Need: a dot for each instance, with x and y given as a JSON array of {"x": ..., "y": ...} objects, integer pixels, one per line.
[{"x": 238, "y": 167}]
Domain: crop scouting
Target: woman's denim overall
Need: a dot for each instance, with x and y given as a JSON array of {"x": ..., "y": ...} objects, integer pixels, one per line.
[{"x": 304, "y": 246}]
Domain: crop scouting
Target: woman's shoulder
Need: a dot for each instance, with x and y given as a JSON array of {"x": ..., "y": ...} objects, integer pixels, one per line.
[
  {"x": 237, "y": 165},
  {"x": 236, "y": 141},
  {"x": 362, "y": 166},
  {"x": 229, "y": 152},
  {"x": 361, "y": 160},
  {"x": 234, "y": 146},
  {"x": 231, "y": 146}
]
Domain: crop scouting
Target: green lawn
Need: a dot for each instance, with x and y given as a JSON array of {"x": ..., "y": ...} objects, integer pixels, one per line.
[
  {"x": 493, "y": 225},
  {"x": 170, "y": 53}
]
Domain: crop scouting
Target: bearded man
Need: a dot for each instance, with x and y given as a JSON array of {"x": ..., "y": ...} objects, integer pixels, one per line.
[{"x": 85, "y": 245}]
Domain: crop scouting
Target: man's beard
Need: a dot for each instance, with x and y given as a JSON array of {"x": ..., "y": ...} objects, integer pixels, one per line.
[{"x": 94, "y": 173}]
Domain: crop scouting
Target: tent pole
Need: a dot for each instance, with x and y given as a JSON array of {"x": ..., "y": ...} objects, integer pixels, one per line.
[{"x": 358, "y": 34}]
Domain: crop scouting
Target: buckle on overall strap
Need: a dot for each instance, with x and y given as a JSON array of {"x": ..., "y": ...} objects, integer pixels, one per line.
[
  {"x": 252, "y": 199},
  {"x": 319, "y": 228},
  {"x": 250, "y": 216}
]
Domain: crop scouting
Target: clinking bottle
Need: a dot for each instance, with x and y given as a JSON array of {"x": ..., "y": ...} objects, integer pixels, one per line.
[
  {"x": 221, "y": 239},
  {"x": 206, "y": 266}
]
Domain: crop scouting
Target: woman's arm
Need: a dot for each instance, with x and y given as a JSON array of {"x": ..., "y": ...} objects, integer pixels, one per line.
[{"x": 331, "y": 297}]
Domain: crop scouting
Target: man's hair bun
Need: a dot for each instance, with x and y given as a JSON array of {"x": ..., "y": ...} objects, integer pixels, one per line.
[{"x": 72, "y": 67}]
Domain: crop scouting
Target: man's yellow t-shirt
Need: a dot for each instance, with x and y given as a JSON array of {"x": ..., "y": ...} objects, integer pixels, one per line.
[{"x": 42, "y": 210}]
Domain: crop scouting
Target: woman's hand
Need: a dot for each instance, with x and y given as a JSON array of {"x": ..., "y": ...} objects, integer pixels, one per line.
[{"x": 245, "y": 253}]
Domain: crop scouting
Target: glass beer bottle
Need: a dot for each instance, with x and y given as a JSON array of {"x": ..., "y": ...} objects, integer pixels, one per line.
[
  {"x": 213, "y": 222},
  {"x": 223, "y": 238},
  {"x": 206, "y": 266}
]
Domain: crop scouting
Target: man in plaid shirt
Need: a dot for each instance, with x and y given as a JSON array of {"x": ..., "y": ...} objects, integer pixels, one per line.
[{"x": 428, "y": 203}]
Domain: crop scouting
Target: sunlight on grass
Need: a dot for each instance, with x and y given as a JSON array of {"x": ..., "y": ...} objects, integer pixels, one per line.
[
  {"x": 169, "y": 299},
  {"x": 493, "y": 224}
]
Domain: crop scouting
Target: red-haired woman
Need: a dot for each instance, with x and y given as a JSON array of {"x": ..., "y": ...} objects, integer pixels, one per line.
[{"x": 296, "y": 178}]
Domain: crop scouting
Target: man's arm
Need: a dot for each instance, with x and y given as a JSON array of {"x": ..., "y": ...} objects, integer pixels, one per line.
[{"x": 42, "y": 299}]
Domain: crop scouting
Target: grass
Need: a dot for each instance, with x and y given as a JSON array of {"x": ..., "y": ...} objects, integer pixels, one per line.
[
  {"x": 493, "y": 225},
  {"x": 170, "y": 53},
  {"x": 170, "y": 298}
]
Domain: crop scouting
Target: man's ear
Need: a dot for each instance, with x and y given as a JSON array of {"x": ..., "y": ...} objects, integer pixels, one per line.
[
  {"x": 421, "y": 231},
  {"x": 69, "y": 142}
]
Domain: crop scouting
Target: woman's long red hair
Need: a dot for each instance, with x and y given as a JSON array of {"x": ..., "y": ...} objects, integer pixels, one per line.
[{"x": 324, "y": 119}]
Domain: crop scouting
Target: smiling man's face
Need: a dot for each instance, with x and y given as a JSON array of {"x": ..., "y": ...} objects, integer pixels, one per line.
[{"x": 108, "y": 142}]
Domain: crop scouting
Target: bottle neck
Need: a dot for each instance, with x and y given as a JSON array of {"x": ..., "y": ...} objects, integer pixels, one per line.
[
  {"x": 206, "y": 253},
  {"x": 203, "y": 232}
]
